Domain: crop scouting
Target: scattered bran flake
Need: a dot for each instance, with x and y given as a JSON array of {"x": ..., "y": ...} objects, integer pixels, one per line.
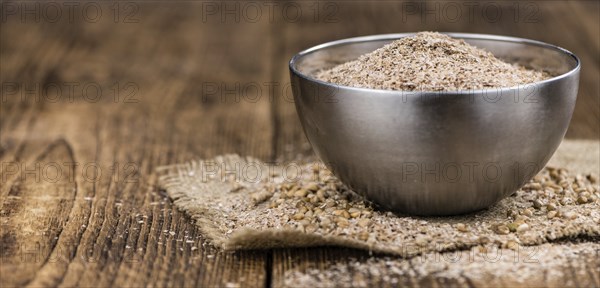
[
  {"x": 486, "y": 266},
  {"x": 430, "y": 61}
]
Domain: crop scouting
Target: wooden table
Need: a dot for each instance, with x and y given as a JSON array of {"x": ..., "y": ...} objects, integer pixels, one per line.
[{"x": 94, "y": 99}]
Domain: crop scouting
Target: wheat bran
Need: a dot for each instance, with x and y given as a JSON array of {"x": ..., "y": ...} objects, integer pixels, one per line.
[{"x": 430, "y": 61}]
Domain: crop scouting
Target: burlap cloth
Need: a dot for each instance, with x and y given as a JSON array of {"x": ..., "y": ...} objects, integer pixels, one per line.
[{"x": 237, "y": 203}]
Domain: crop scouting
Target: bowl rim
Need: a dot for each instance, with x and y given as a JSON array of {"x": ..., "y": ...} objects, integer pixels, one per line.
[{"x": 460, "y": 35}]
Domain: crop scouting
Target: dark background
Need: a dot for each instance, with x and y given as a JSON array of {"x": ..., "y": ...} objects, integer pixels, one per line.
[{"x": 123, "y": 87}]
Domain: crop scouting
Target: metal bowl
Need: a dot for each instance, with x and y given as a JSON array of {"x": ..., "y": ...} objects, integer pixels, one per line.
[{"x": 436, "y": 153}]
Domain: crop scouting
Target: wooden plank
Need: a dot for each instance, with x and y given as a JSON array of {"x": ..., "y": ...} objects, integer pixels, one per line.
[
  {"x": 169, "y": 54},
  {"x": 526, "y": 267},
  {"x": 303, "y": 259},
  {"x": 534, "y": 19},
  {"x": 583, "y": 16},
  {"x": 109, "y": 224}
]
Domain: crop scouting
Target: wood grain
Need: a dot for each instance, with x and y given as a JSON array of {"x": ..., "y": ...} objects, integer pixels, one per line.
[
  {"x": 115, "y": 227},
  {"x": 528, "y": 266},
  {"x": 186, "y": 89}
]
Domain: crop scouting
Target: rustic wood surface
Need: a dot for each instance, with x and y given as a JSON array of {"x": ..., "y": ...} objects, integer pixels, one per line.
[{"x": 79, "y": 204}]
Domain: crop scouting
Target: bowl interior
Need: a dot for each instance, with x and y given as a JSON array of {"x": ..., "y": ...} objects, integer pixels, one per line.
[{"x": 528, "y": 53}]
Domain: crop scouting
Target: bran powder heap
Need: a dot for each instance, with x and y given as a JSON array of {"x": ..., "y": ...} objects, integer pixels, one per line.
[{"x": 430, "y": 61}]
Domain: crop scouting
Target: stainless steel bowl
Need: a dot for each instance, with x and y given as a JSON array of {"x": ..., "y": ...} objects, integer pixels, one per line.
[{"x": 436, "y": 153}]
